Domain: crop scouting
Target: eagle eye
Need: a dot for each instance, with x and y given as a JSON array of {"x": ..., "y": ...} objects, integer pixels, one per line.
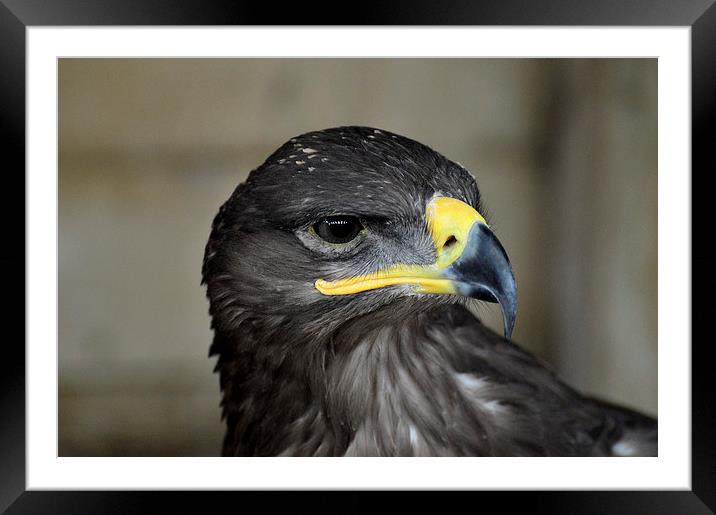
[{"x": 338, "y": 229}]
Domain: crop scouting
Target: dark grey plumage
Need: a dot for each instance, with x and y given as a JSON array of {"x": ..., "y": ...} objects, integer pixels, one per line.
[{"x": 384, "y": 372}]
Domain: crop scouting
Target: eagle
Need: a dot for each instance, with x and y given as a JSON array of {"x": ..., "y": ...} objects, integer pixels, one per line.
[{"x": 339, "y": 277}]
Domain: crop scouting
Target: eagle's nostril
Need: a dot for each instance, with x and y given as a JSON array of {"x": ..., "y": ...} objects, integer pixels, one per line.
[{"x": 449, "y": 243}]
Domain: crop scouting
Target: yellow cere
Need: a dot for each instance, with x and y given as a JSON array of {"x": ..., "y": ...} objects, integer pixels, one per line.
[{"x": 449, "y": 221}]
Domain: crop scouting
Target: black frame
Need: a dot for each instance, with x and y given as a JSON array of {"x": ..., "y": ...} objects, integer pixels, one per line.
[{"x": 16, "y": 15}]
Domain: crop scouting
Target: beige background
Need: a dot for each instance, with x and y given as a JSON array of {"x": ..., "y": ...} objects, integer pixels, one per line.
[{"x": 564, "y": 152}]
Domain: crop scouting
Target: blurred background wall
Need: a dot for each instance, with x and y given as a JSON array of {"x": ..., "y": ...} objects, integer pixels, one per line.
[{"x": 565, "y": 153}]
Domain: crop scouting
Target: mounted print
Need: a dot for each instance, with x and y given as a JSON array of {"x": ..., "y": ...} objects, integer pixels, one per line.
[{"x": 282, "y": 257}]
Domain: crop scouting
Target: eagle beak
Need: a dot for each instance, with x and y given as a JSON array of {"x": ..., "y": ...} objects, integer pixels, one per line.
[
  {"x": 471, "y": 257},
  {"x": 483, "y": 271},
  {"x": 470, "y": 261}
]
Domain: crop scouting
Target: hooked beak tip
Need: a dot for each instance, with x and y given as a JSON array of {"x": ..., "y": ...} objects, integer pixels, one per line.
[{"x": 483, "y": 271}]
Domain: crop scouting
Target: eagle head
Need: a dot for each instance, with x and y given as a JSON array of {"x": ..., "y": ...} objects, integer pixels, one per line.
[{"x": 339, "y": 222}]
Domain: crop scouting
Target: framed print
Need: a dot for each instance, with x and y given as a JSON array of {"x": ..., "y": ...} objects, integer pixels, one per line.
[{"x": 141, "y": 124}]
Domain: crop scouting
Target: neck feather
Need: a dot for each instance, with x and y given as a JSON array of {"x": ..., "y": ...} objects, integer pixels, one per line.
[{"x": 378, "y": 384}]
